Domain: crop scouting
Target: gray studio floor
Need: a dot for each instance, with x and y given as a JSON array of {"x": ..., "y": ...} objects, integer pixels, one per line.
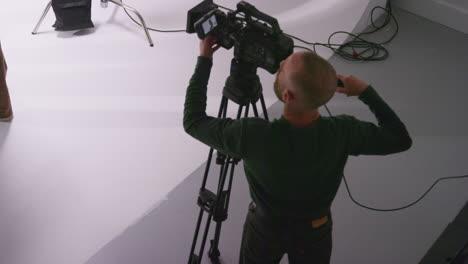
[{"x": 425, "y": 81}]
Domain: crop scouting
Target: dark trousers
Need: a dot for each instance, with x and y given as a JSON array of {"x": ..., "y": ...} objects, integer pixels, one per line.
[
  {"x": 266, "y": 239},
  {"x": 5, "y": 103}
]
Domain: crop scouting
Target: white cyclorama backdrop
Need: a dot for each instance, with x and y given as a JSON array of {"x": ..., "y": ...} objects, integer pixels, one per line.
[
  {"x": 97, "y": 140},
  {"x": 451, "y": 13}
]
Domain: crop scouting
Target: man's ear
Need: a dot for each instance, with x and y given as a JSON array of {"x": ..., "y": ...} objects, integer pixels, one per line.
[{"x": 287, "y": 96}]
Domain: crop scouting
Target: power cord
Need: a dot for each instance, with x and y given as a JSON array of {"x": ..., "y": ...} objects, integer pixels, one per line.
[
  {"x": 375, "y": 49},
  {"x": 153, "y": 29},
  {"x": 348, "y": 50},
  {"x": 343, "y": 51},
  {"x": 164, "y": 31}
]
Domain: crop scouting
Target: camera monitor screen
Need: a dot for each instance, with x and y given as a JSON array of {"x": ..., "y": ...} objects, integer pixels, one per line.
[{"x": 209, "y": 24}]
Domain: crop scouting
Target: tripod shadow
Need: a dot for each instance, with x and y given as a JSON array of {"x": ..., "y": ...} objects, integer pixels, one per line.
[{"x": 4, "y": 131}]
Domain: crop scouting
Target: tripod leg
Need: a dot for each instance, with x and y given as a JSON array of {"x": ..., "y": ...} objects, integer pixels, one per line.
[
  {"x": 197, "y": 230},
  {"x": 42, "y": 18},
  {"x": 225, "y": 167},
  {"x": 221, "y": 158},
  {"x": 265, "y": 112},
  {"x": 214, "y": 250},
  {"x": 143, "y": 23},
  {"x": 247, "y": 108},
  {"x": 207, "y": 168},
  {"x": 207, "y": 229},
  {"x": 193, "y": 259},
  {"x": 223, "y": 111},
  {"x": 214, "y": 253},
  {"x": 230, "y": 187},
  {"x": 254, "y": 107}
]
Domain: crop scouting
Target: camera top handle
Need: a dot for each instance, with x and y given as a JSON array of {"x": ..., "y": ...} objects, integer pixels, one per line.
[{"x": 250, "y": 10}]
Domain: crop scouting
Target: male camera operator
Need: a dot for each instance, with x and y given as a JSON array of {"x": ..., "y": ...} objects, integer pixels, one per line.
[{"x": 294, "y": 165}]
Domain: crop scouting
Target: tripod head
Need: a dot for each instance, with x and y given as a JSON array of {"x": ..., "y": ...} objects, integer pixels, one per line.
[{"x": 243, "y": 84}]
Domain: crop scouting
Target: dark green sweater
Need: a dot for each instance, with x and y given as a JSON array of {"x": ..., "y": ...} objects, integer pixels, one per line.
[{"x": 293, "y": 171}]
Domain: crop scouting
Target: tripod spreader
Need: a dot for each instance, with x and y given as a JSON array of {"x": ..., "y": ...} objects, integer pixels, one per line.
[
  {"x": 210, "y": 203},
  {"x": 220, "y": 158}
]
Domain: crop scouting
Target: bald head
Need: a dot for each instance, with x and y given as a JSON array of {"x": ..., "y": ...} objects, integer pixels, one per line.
[{"x": 308, "y": 77}]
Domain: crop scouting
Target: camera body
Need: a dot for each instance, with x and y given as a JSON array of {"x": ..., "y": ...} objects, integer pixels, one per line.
[{"x": 256, "y": 37}]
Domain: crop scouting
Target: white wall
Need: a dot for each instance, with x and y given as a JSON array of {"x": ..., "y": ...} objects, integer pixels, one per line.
[{"x": 451, "y": 13}]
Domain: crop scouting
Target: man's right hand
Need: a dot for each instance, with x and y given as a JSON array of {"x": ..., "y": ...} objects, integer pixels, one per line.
[{"x": 352, "y": 85}]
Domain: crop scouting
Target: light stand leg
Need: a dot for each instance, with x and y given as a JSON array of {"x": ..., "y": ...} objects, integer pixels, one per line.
[
  {"x": 42, "y": 18},
  {"x": 143, "y": 23}
]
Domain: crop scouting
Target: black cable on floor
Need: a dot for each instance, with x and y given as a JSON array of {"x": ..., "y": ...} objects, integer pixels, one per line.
[
  {"x": 403, "y": 207},
  {"x": 359, "y": 49},
  {"x": 399, "y": 208}
]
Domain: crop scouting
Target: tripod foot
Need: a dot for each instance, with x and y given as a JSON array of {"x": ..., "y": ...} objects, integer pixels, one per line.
[
  {"x": 195, "y": 259},
  {"x": 215, "y": 260},
  {"x": 214, "y": 254}
]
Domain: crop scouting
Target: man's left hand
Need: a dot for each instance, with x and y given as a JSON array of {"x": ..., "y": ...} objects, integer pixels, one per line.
[{"x": 208, "y": 46}]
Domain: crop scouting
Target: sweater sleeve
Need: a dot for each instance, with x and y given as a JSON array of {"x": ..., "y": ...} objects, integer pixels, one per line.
[
  {"x": 223, "y": 134},
  {"x": 389, "y": 136}
]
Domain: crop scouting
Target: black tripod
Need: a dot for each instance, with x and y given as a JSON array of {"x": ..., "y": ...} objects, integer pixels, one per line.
[{"x": 244, "y": 88}]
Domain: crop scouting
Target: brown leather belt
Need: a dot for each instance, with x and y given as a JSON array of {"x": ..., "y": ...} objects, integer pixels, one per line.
[
  {"x": 319, "y": 222},
  {"x": 315, "y": 223}
]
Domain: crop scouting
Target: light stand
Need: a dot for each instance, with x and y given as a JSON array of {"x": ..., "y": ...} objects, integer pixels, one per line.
[{"x": 104, "y": 4}]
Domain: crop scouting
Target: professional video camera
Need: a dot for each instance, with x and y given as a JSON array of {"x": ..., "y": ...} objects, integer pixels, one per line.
[
  {"x": 257, "y": 40},
  {"x": 257, "y": 37}
]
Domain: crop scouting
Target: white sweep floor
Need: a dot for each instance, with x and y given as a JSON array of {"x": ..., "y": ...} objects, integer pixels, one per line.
[{"x": 97, "y": 139}]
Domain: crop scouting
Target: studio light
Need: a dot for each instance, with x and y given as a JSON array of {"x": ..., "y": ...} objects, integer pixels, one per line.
[{"x": 76, "y": 14}]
